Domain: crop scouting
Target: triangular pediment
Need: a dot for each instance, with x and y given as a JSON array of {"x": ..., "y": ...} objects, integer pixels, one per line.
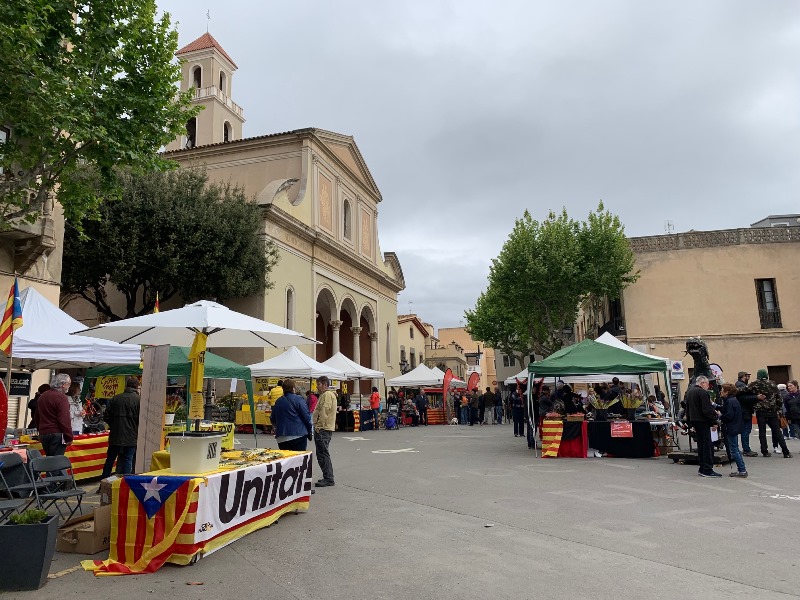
[{"x": 344, "y": 148}]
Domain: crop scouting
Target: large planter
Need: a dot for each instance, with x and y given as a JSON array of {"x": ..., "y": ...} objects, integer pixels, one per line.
[
  {"x": 630, "y": 414},
  {"x": 29, "y": 552},
  {"x": 169, "y": 418},
  {"x": 601, "y": 414}
]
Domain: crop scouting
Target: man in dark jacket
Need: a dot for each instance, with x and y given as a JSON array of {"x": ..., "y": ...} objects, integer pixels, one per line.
[
  {"x": 488, "y": 406},
  {"x": 122, "y": 416},
  {"x": 732, "y": 424},
  {"x": 421, "y": 402},
  {"x": 767, "y": 409},
  {"x": 701, "y": 415},
  {"x": 52, "y": 417},
  {"x": 747, "y": 400},
  {"x": 291, "y": 420}
]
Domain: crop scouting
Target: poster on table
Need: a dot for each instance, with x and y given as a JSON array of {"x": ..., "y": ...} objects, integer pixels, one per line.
[
  {"x": 621, "y": 429},
  {"x": 231, "y": 500}
]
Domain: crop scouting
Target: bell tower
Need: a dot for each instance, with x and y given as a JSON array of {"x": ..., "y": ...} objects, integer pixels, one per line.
[{"x": 208, "y": 70}]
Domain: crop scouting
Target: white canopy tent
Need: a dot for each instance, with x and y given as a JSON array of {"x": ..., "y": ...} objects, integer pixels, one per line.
[
  {"x": 294, "y": 363},
  {"x": 454, "y": 382},
  {"x": 421, "y": 376},
  {"x": 44, "y": 340},
  {"x": 351, "y": 370}
]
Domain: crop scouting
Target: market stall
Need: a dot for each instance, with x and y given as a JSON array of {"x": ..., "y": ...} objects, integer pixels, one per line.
[
  {"x": 592, "y": 359},
  {"x": 161, "y": 516}
]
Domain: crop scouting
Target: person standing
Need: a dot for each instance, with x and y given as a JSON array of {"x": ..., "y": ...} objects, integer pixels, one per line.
[
  {"x": 481, "y": 408},
  {"x": 75, "y": 408},
  {"x": 498, "y": 407},
  {"x": 122, "y": 416},
  {"x": 324, "y": 422},
  {"x": 474, "y": 407},
  {"x": 34, "y": 402},
  {"x": 52, "y": 417},
  {"x": 311, "y": 401},
  {"x": 732, "y": 419},
  {"x": 275, "y": 393},
  {"x": 291, "y": 420},
  {"x": 518, "y": 413},
  {"x": 767, "y": 409},
  {"x": 465, "y": 411},
  {"x": 701, "y": 415},
  {"x": 421, "y": 404},
  {"x": 456, "y": 405},
  {"x": 375, "y": 406},
  {"x": 793, "y": 407},
  {"x": 488, "y": 403},
  {"x": 747, "y": 402}
]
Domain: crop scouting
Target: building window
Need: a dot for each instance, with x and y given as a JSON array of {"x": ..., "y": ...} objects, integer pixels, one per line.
[
  {"x": 290, "y": 308},
  {"x": 388, "y": 345},
  {"x": 222, "y": 82},
  {"x": 402, "y": 354},
  {"x": 411, "y": 332},
  {"x": 421, "y": 359},
  {"x": 347, "y": 220},
  {"x": 191, "y": 133},
  {"x": 197, "y": 77},
  {"x": 413, "y": 358},
  {"x": 508, "y": 361},
  {"x": 768, "y": 310},
  {"x": 226, "y": 132}
]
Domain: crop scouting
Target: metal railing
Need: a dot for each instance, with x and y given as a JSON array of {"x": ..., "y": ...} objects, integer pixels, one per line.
[
  {"x": 770, "y": 318},
  {"x": 214, "y": 92}
]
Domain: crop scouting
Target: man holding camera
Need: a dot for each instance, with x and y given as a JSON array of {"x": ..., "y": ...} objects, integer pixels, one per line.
[{"x": 701, "y": 416}]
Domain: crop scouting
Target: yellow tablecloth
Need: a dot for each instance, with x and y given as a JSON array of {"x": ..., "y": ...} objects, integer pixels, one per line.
[{"x": 262, "y": 418}]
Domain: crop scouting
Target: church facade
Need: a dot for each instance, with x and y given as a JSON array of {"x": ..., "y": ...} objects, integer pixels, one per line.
[{"x": 320, "y": 206}]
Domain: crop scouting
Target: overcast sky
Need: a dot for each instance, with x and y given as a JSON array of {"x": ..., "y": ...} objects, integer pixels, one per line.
[{"x": 467, "y": 113}]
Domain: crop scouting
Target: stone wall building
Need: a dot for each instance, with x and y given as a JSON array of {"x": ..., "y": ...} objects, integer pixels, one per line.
[
  {"x": 739, "y": 289},
  {"x": 479, "y": 357}
]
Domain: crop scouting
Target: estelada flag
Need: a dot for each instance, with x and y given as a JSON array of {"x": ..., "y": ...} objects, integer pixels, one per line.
[
  {"x": 154, "y": 521},
  {"x": 12, "y": 318}
]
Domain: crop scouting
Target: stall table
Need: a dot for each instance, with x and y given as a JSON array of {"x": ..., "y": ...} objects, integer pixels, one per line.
[
  {"x": 638, "y": 446},
  {"x": 262, "y": 418},
  {"x": 162, "y": 516},
  {"x": 564, "y": 439},
  {"x": 87, "y": 453}
]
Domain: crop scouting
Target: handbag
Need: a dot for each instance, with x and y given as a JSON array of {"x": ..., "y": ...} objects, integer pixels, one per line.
[{"x": 783, "y": 422}]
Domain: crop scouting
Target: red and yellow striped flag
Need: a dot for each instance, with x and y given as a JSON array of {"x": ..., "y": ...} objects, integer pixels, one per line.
[
  {"x": 552, "y": 430},
  {"x": 12, "y": 318},
  {"x": 142, "y": 543}
]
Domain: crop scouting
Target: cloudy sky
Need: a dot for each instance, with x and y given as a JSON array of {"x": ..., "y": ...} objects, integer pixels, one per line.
[{"x": 468, "y": 113}]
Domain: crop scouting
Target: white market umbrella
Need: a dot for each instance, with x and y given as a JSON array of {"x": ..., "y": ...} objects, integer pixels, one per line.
[
  {"x": 294, "y": 363},
  {"x": 421, "y": 376},
  {"x": 177, "y": 327},
  {"x": 351, "y": 369},
  {"x": 454, "y": 382},
  {"x": 44, "y": 340}
]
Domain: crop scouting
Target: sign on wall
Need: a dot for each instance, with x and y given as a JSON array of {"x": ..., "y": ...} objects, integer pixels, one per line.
[{"x": 676, "y": 369}]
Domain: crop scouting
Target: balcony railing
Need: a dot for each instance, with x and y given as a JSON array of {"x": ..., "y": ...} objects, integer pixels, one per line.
[
  {"x": 770, "y": 318},
  {"x": 215, "y": 92}
]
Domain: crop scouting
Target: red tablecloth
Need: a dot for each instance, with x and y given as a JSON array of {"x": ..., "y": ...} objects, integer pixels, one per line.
[{"x": 576, "y": 447}]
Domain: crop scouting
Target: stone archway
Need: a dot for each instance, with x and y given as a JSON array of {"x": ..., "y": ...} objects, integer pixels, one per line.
[
  {"x": 368, "y": 341},
  {"x": 326, "y": 322}
]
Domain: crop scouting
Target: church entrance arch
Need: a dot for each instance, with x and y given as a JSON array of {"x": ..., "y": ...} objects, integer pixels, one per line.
[{"x": 325, "y": 322}]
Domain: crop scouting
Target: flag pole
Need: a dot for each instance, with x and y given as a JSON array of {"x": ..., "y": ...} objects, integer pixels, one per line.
[{"x": 4, "y": 409}]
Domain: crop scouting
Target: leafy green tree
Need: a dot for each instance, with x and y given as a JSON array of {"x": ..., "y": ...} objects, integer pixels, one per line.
[
  {"x": 172, "y": 233},
  {"x": 543, "y": 274},
  {"x": 88, "y": 85}
]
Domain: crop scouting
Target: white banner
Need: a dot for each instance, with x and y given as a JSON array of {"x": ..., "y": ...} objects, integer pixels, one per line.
[{"x": 231, "y": 499}]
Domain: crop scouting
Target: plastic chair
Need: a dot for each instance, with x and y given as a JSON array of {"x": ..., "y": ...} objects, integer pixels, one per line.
[
  {"x": 55, "y": 472},
  {"x": 11, "y": 504}
]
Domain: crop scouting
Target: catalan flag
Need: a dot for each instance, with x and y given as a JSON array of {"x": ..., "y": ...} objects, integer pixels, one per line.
[
  {"x": 152, "y": 520},
  {"x": 12, "y": 318},
  {"x": 551, "y": 437}
]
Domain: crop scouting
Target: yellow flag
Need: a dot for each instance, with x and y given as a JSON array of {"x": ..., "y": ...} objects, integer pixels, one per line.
[{"x": 197, "y": 355}]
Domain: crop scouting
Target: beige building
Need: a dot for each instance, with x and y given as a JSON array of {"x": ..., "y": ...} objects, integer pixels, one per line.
[
  {"x": 739, "y": 289},
  {"x": 479, "y": 357},
  {"x": 412, "y": 340},
  {"x": 33, "y": 251},
  {"x": 320, "y": 207}
]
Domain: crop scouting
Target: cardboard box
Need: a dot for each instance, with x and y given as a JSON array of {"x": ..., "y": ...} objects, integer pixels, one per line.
[
  {"x": 105, "y": 490},
  {"x": 88, "y": 534}
]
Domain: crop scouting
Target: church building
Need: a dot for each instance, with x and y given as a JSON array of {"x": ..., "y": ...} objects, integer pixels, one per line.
[{"x": 319, "y": 205}]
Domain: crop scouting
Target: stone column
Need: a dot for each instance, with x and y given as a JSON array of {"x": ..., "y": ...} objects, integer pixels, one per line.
[
  {"x": 335, "y": 326},
  {"x": 356, "y": 358},
  {"x": 373, "y": 363}
]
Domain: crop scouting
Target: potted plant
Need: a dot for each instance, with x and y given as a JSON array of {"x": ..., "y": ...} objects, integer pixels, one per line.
[
  {"x": 630, "y": 404},
  {"x": 30, "y": 538},
  {"x": 600, "y": 407},
  {"x": 171, "y": 407}
]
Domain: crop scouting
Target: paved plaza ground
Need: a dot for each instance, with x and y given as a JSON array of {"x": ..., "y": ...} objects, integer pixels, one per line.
[{"x": 409, "y": 516}]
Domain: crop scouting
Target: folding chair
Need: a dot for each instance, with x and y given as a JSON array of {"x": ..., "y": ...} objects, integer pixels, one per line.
[
  {"x": 55, "y": 472},
  {"x": 16, "y": 481},
  {"x": 11, "y": 504}
]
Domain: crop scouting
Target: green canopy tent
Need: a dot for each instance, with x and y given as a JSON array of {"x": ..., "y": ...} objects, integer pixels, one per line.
[
  {"x": 593, "y": 358},
  {"x": 180, "y": 365}
]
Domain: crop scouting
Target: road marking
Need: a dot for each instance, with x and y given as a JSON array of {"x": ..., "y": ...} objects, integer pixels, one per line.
[
  {"x": 356, "y": 439},
  {"x": 394, "y": 451},
  {"x": 64, "y": 572}
]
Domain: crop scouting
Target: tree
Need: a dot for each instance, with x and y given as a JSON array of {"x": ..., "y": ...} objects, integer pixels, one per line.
[
  {"x": 543, "y": 274},
  {"x": 172, "y": 233},
  {"x": 88, "y": 86}
]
